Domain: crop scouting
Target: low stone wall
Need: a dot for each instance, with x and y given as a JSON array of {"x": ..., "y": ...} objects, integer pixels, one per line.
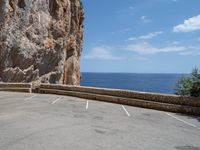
[
  {"x": 16, "y": 87},
  {"x": 163, "y": 98},
  {"x": 164, "y": 102}
]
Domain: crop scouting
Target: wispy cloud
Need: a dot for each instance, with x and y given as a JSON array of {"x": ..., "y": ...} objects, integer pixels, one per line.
[
  {"x": 145, "y": 37},
  {"x": 174, "y": 43},
  {"x": 107, "y": 53},
  {"x": 122, "y": 31},
  {"x": 189, "y": 25},
  {"x": 141, "y": 58},
  {"x": 174, "y": 0},
  {"x": 147, "y": 49},
  {"x": 191, "y": 51},
  {"x": 144, "y": 19},
  {"x": 141, "y": 51},
  {"x": 101, "y": 52}
]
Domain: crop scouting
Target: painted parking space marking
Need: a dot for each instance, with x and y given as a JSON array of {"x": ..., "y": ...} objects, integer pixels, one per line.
[
  {"x": 183, "y": 121},
  {"x": 59, "y": 98},
  {"x": 87, "y": 105},
  {"x": 127, "y": 113},
  {"x": 29, "y": 98}
]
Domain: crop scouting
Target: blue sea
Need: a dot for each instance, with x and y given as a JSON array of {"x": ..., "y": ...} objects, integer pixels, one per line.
[{"x": 157, "y": 83}]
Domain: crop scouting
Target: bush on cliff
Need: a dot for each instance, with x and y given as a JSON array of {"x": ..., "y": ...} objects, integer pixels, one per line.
[{"x": 189, "y": 86}]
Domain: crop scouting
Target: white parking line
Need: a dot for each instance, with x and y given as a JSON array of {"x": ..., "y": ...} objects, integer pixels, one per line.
[
  {"x": 29, "y": 98},
  {"x": 87, "y": 105},
  {"x": 59, "y": 98},
  {"x": 126, "y": 111},
  {"x": 190, "y": 124}
]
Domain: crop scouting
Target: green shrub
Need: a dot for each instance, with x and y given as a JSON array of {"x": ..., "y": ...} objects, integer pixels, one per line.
[{"x": 189, "y": 86}]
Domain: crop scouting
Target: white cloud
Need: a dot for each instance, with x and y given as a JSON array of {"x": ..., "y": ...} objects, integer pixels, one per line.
[
  {"x": 175, "y": 0},
  {"x": 101, "y": 52},
  {"x": 145, "y": 37},
  {"x": 132, "y": 38},
  {"x": 144, "y": 19},
  {"x": 189, "y": 25},
  {"x": 147, "y": 49}
]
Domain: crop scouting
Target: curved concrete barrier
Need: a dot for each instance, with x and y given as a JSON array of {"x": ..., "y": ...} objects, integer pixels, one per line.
[
  {"x": 16, "y": 87},
  {"x": 164, "y": 102}
]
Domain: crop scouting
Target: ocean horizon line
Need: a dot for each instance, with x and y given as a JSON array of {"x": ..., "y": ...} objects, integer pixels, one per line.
[{"x": 135, "y": 73}]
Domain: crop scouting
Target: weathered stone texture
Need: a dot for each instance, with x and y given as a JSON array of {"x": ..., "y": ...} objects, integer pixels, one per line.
[{"x": 41, "y": 41}]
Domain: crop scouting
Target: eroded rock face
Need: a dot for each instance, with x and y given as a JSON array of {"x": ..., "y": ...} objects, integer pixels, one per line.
[{"x": 41, "y": 41}]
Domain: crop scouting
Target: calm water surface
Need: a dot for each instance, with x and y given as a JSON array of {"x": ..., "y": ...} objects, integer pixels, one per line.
[{"x": 158, "y": 83}]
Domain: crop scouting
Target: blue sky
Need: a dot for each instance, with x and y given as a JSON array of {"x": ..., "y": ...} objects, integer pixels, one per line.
[{"x": 141, "y": 36}]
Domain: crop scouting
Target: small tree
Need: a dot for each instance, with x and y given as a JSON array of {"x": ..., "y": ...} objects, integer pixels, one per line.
[{"x": 189, "y": 86}]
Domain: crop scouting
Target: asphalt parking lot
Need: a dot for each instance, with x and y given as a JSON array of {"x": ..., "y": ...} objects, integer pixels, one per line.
[{"x": 53, "y": 122}]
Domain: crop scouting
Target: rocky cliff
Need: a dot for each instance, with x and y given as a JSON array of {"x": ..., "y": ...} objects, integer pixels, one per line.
[{"x": 41, "y": 41}]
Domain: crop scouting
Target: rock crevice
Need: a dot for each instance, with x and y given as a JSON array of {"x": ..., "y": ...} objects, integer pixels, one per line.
[{"x": 41, "y": 41}]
